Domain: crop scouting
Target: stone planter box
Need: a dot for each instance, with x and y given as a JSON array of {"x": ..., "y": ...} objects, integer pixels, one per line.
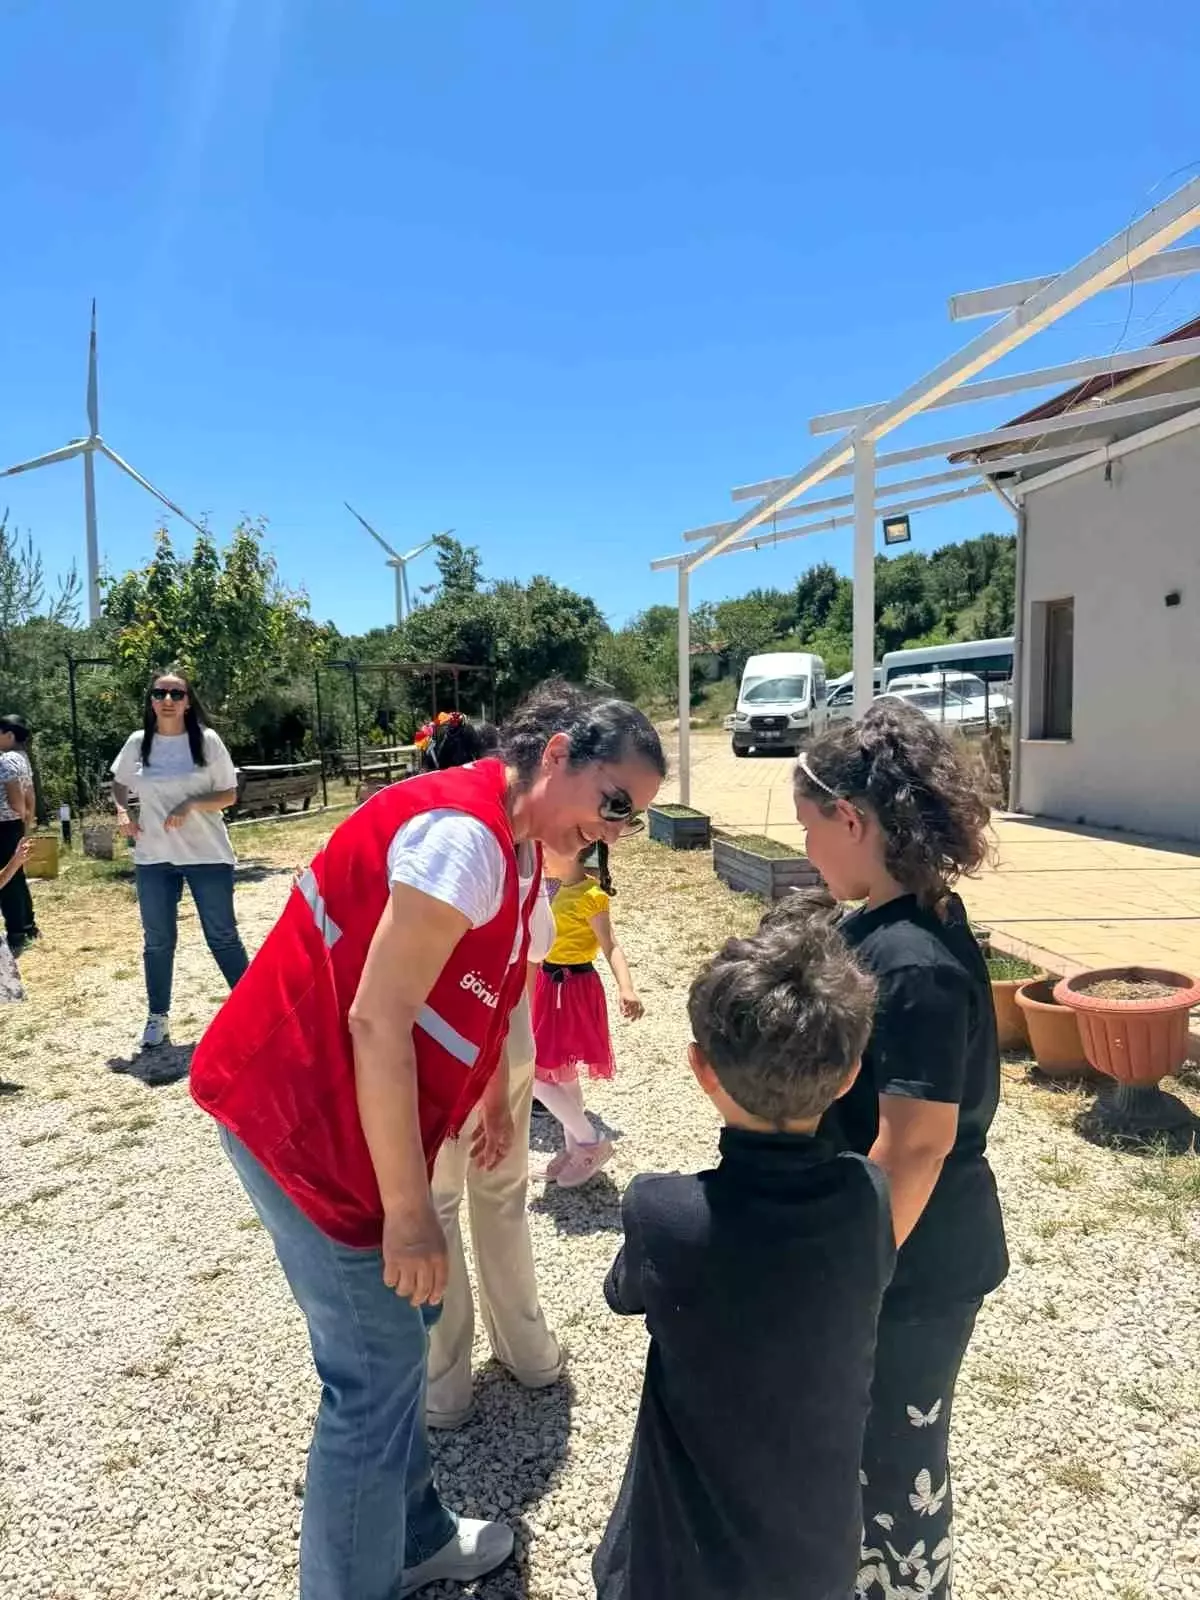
[
  {"x": 680, "y": 827},
  {"x": 99, "y": 839},
  {"x": 762, "y": 867}
]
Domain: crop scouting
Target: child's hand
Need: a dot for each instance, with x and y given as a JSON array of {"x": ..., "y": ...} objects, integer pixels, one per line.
[
  {"x": 631, "y": 1007},
  {"x": 21, "y": 853}
]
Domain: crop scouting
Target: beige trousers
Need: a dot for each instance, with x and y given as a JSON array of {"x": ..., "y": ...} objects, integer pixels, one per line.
[{"x": 503, "y": 1253}]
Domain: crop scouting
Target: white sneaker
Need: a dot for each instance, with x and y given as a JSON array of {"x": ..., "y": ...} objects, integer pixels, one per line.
[
  {"x": 476, "y": 1549},
  {"x": 156, "y": 1032}
]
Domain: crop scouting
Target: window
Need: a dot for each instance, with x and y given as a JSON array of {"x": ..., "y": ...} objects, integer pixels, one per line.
[
  {"x": 1057, "y": 629},
  {"x": 775, "y": 691}
]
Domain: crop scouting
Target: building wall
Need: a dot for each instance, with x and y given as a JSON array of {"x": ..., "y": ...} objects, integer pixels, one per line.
[{"x": 1133, "y": 760}]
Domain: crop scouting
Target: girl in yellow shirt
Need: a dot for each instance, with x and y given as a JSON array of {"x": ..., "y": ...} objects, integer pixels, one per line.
[{"x": 570, "y": 1015}]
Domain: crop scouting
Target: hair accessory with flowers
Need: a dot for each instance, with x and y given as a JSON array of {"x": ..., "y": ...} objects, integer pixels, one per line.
[{"x": 444, "y": 719}]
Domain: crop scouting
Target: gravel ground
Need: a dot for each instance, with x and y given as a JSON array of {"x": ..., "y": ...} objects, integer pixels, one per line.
[{"x": 155, "y": 1388}]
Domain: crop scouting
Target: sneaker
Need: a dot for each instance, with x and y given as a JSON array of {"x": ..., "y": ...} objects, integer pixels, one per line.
[
  {"x": 585, "y": 1164},
  {"x": 476, "y": 1549},
  {"x": 156, "y": 1032},
  {"x": 549, "y": 1170}
]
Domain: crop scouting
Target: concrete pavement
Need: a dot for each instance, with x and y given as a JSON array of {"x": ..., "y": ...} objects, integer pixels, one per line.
[{"x": 1070, "y": 897}]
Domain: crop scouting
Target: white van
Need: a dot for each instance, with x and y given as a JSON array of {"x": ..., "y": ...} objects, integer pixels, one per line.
[{"x": 780, "y": 703}]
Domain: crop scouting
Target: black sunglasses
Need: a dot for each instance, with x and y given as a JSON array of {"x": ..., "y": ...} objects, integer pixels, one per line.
[
  {"x": 168, "y": 694},
  {"x": 615, "y": 806}
]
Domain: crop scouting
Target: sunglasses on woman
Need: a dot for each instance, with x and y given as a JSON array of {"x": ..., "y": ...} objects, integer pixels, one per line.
[
  {"x": 615, "y": 806},
  {"x": 168, "y": 694}
]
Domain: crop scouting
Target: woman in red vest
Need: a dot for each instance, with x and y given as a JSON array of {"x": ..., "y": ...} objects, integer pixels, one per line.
[{"x": 367, "y": 1029}]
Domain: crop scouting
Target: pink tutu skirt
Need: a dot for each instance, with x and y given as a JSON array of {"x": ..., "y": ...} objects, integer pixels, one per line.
[{"x": 570, "y": 1026}]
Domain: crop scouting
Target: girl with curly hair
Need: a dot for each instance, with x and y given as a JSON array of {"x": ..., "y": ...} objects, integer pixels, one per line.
[{"x": 893, "y": 818}]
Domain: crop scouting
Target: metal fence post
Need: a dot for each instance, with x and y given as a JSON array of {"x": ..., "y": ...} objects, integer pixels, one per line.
[
  {"x": 320, "y": 735},
  {"x": 79, "y": 797},
  {"x": 357, "y": 728}
]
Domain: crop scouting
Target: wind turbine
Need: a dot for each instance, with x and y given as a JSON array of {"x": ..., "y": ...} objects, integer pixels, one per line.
[
  {"x": 87, "y": 448},
  {"x": 399, "y": 562}
]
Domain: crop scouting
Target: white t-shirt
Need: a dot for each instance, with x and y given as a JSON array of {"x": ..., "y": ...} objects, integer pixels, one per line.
[
  {"x": 170, "y": 778},
  {"x": 457, "y": 859},
  {"x": 14, "y": 768}
]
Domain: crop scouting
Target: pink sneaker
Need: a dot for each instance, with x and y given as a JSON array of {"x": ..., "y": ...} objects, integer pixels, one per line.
[
  {"x": 548, "y": 1171},
  {"x": 585, "y": 1164}
]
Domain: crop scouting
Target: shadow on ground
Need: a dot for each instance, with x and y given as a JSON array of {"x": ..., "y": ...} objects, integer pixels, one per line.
[
  {"x": 155, "y": 1068},
  {"x": 501, "y": 1463},
  {"x": 593, "y": 1208}
]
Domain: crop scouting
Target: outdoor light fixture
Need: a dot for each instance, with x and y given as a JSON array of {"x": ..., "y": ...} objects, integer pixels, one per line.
[{"x": 896, "y": 530}]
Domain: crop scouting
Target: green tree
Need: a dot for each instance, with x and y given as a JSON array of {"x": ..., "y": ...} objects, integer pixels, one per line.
[{"x": 225, "y": 617}]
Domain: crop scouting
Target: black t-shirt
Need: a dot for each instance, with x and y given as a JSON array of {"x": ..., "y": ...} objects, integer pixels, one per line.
[
  {"x": 761, "y": 1283},
  {"x": 934, "y": 1038}
]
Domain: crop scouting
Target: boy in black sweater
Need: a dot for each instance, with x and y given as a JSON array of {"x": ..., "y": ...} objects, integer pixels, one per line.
[{"x": 760, "y": 1282}]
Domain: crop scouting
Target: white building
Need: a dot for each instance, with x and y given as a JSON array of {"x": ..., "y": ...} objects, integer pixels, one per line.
[{"x": 1108, "y": 615}]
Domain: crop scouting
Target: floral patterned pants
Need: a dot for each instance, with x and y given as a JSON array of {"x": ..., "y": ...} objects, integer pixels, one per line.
[{"x": 908, "y": 1551}]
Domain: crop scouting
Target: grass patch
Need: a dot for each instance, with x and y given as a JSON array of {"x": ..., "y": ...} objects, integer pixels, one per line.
[
  {"x": 31, "y": 1139},
  {"x": 1139, "y": 1400},
  {"x": 211, "y": 1274},
  {"x": 1009, "y": 1383},
  {"x": 124, "y": 972},
  {"x": 1008, "y": 969},
  {"x": 44, "y": 1192},
  {"x": 1081, "y": 1479},
  {"x": 59, "y": 1094},
  {"x": 759, "y": 845},
  {"x": 248, "y": 1224},
  {"x": 129, "y": 1141},
  {"x": 121, "y": 1460},
  {"x": 1060, "y": 1174}
]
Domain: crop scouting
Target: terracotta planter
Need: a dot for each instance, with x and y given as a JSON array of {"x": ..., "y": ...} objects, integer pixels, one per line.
[
  {"x": 1137, "y": 1042},
  {"x": 1053, "y": 1030},
  {"x": 1010, "y": 1019}
]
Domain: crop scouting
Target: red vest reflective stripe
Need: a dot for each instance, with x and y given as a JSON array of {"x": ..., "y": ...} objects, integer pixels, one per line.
[{"x": 276, "y": 1065}]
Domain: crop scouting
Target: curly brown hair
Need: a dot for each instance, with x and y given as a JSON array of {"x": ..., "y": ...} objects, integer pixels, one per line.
[{"x": 899, "y": 764}]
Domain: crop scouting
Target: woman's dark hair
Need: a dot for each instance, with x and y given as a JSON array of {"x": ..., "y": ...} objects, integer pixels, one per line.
[
  {"x": 597, "y": 730},
  {"x": 594, "y": 861},
  {"x": 17, "y": 726},
  {"x": 897, "y": 763},
  {"x": 454, "y": 744},
  {"x": 195, "y": 718}
]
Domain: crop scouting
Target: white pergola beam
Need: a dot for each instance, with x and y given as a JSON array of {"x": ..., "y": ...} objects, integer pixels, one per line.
[
  {"x": 1170, "y": 220},
  {"x": 1085, "y": 417},
  {"x": 1004, "y": 296},
  {"x": 882, "y": 490},
  {"x": 766, "y": 537},
  {"x": 753, "y": 491},
  {"x": 1153, "y": 355}
]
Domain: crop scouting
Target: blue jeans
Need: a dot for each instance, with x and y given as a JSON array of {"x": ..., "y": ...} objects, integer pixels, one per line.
[
  {"x": 159, "y": 891},
  {"x": 371, "y": 1507}
]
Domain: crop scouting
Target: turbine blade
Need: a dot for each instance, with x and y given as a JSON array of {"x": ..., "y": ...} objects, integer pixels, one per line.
[
  {"x": 76, "y": 448},
  {"x": 147, "y": 485},
  {"x": 418, "y": 550},
  {"x": 93, "y": 399},
  {"x": 377, "y": 538}
]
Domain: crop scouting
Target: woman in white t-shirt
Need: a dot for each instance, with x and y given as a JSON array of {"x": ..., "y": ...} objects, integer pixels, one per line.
[{"x": 183, "y": 779}]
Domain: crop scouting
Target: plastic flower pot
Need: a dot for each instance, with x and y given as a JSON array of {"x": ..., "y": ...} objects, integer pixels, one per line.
[
  {"x": 1134, "y": 1041},
  {"x": 1053, "y": 1031},
  {"x": 1007, "y": 974}
]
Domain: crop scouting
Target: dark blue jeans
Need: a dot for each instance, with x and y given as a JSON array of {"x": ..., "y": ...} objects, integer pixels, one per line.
[
  {"x": 159, "y": 891},
  {"x": 371, "y": 1506}
]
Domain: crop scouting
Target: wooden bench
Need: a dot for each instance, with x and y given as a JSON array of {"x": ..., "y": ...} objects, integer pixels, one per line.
[
  {"x": 381, "y": 764},
  {"x": 263, "y": 791}
]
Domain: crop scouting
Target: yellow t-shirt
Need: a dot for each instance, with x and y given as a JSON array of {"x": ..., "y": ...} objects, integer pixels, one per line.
[{"x": 574, "y": 906}]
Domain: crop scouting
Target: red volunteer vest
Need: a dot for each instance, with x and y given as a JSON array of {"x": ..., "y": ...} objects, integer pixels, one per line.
[{"x": 276, "y": 1065}]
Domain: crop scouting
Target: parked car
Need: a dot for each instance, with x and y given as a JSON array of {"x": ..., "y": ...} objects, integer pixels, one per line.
[
  {"x": 942, "y": 706},
  {"x": 990, "y": 701}
]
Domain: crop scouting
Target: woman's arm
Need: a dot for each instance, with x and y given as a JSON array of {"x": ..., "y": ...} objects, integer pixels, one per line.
[
  {"x": 14, "y": 793},
  {"x": 201, "y": 802},
  {"x": 128, "y": 825},
  {"x": 415, "y": 938},
  {"x": 15, "y": 862},
  {"x": 631, "y": 1006},
  {"x": 914, "y": 1139}
]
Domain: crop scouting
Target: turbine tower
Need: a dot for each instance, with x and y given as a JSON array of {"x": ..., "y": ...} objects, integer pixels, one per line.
[
  {"x": 397, "y": 561},
  {"x": 87, "y": 448}
]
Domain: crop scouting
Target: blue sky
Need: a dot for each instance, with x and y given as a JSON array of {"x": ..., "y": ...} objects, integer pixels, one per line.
[{"x": 555, "y": 274}]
